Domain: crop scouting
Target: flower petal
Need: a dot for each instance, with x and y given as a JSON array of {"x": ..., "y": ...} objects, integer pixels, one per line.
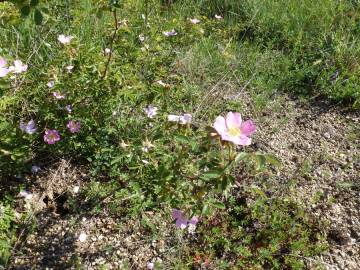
[
  {"x": 233, "y": 120},
  {"x": 241, "y": 140},
  {"x": 185, "y": 119},
  {"x": 176, "y": 214},
  {"x": 173, "y": 118},
  {"x": 3, "y": 62},
  {"x": 3, "y": 72},
  {"x": 194, "y": 220},
  {"x": 220, "y": 125},
  {"x": 181, "y": 223},
  {"x": 248, "y": 128}
]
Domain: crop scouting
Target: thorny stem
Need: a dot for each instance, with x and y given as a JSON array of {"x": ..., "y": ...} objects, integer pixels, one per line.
[{"x": 116, "y": 24}]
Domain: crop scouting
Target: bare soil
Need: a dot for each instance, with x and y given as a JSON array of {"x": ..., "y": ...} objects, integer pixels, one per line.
[{"x": 318, "y": 144}]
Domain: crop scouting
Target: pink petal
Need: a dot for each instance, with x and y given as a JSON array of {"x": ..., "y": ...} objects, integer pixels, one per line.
[
  {"x": 226, "y": 137},
  {"x": 24, "y": 68},
  {"x": 233, "y": 120},
  {"x": 3, "y": 72},
  {"x": 248, "y": 128},
  {"x": 2, "y": 62},
  {"x": 240, "y": 140},
  {"x": 181, "y": 223},
  {"x": 194, "y": 220},
  {"x": 220, "y": 125},
  {"x": 176, "y": 214},
  {"x": 17, "y": 63}
]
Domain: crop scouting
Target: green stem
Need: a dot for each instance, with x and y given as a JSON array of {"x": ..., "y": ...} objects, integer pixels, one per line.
[{"x": 222, "y": 164}]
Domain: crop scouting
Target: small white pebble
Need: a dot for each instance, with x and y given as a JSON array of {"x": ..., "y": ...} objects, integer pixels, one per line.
[
  {"x": 76, "y": 189},
  {"x": 26, "y": 195},
  {"x": 82, "y": 237}
]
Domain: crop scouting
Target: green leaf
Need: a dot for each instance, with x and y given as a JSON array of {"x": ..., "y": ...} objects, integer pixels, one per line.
[
  {"x": 219, "y": 205},
  {"x": 241, "y": 156},
  {"x": 182, "y": 138},
  {"x": 34, "y": 3},
  {"x": 211, "y": 175},
  {"x": 260, "y": 160},
  {"x": 273, "y": 160},
  {"x": 38, "y": 17},
  {"x": 25, "y": 11},
  {"x": 205, "y": 209}
]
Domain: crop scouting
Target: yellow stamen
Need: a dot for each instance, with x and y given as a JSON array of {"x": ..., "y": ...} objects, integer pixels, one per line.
[{"x": 234, "y": 132}]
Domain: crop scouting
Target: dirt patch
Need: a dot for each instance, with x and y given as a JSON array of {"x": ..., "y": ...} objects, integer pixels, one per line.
[{"x": 319, "y": 146}]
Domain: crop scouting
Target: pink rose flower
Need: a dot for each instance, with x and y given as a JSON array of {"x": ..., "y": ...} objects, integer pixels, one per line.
[
  {"x": 170, "y": 33},
  {"x": 181, "y": 221},
  {"x": 58, "y": 95},
  {"x": 3, "y": 69},
  {"x": 232, "y": 129},
  {"x": 29, "y": 127},
  {"x": 151, "y": 111},
  {"x": 65, "y": 39},
  {"x": 73, "y": 126},
  {"x": 51, "y": 136},
  {"x": 18, "y": 67}
]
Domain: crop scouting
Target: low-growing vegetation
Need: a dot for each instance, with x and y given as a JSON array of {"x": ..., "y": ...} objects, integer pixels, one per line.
[{"x": 158, "y": 106}]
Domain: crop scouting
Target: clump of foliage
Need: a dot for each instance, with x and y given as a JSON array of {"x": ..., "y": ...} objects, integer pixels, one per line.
[
  {"x": 319, "y": 42},
  {"x": 258, "y": 230},
  {"x": 7, "y": 231},
  {"x": 125, "y": 92}
]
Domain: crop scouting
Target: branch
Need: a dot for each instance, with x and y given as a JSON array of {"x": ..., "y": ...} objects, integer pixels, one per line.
[{"x": 111, "y": 43}]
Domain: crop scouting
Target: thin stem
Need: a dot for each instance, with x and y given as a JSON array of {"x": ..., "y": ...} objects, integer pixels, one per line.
[
  {"x": 230, "y": 152},
  {"x": 222, "y": 153},
  {"x": 116, "y": 25},
  {"x": 146, "y": 12}
]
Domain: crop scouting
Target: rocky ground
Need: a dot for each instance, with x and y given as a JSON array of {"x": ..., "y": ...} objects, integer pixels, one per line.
[
  {"x": 318, "y": 143},
  {"x": 319, "y": 146}
]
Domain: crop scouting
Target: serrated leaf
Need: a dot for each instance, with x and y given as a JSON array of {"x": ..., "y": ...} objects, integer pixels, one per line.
[{"x": 38, "y": 17}]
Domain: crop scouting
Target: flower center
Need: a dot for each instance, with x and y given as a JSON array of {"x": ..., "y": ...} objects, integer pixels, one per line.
[{"x": 234, "y": 132}]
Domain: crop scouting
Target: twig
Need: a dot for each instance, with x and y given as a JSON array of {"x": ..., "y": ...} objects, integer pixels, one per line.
[{"x": 111, "y": 43}]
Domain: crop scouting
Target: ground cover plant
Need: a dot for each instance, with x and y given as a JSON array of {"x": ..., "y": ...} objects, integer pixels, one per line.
[{"x": 131, "y": 132}]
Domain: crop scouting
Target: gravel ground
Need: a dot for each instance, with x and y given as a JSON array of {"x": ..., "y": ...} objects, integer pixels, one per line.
[
  {"x": 318, "y": 144},
  {"x": 319, "y": 148}
]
